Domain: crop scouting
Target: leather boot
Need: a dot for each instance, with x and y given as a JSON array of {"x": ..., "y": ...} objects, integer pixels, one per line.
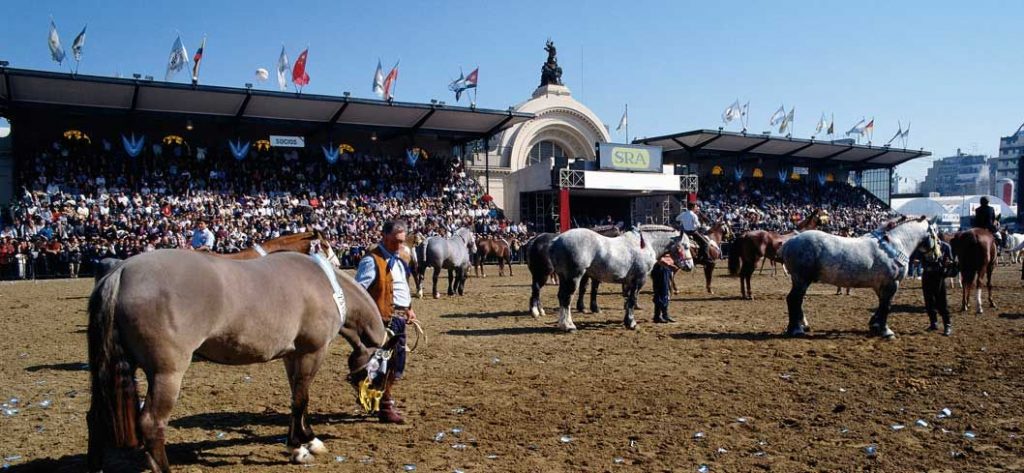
[{"x": 388, "y": 413}]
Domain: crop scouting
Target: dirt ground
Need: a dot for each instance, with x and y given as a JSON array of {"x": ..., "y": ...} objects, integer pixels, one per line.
[{"x": 719, "y": 388}]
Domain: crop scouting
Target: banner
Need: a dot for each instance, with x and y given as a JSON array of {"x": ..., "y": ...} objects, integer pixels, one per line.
[
  {"x": 803, "y": 171},
  {"x": 134, "y": 145},
  {"x": 281, "y": 141},
  {"x": 634, "y": 158}
]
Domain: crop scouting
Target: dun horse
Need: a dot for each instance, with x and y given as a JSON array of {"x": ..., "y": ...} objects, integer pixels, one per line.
[
  {"x": 453, "y": 253},
  {"x": 158, "y": 309},
  {"x": 496, "y": 247},
  {"x": 877, "y": 260},
  {"x": 626, "y": 259}
]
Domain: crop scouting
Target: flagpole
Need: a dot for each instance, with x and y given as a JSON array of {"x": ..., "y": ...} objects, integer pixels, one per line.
[
  {"x": 395, "y": 92},
  {"x": 627, "y": 123}
]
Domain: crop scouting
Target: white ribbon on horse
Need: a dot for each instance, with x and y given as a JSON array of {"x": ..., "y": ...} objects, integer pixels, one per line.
[
  {"x": 259, "y": 249},
  {"x": 338, "y": 296},
  {"x": 134, "y": 145},
  {"x": 896, "y": 254}
]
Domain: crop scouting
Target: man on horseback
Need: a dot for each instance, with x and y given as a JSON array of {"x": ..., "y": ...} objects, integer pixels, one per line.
[
  {"x": 383, "y": 274},
  {"x": 689, "y": 223},
  {"x": 985, "y": 217}
]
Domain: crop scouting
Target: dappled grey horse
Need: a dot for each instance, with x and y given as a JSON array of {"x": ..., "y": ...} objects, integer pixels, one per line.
[
  {"x": 453, "y": 253},
  {"x": 156, "y": 310},
  {"x": 625, "y": 259},
  {"x": 877, "y": 260}
]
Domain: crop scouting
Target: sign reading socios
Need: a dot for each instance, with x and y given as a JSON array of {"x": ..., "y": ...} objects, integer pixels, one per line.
[
  {"x": 622, "y": 157},
  {"x": 281, "y": 141}
]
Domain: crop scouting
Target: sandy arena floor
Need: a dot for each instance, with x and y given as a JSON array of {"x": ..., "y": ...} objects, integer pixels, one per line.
[{"x": 721, "y": 388}]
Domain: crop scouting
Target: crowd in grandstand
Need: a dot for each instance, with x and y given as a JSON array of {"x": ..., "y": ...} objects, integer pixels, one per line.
[{"x": 80, "y": 204}]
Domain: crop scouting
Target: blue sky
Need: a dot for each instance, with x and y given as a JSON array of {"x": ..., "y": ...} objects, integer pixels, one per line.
[{"x": 952, "y": 69}]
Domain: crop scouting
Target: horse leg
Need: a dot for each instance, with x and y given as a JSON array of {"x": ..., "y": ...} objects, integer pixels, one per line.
[
  {"x": 629, "y": 320},
  {"x": 160, "y": 398},
  {"x": 509, "y": 261},
  {"x": 451, "y": 282},
  {"x": 566, "y": 286},
  {"x": 462, "y": 274},
  {"x": 879, "y": 323},
  {"x": 794, "y": 302},
  {"x": 988, "y": 285},
  {"x": 967, "y": 278},
  {"x": 672, "y": 282},
  {"x": 709, "y": 270},
  {"x": 301, "y": 369},
  {"x": 584, "y": 281},
  {"x": 437, "y": 273},
  {"x": 760, "y": 272},
  {"x": 538, "y": 282},
  {"x": 594, "y": 286}
]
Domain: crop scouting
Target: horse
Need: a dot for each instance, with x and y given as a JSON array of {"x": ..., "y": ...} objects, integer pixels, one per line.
[
  {"x": 1013, "y": 243},
  {"x": 497, "y": 247},
  {"x": 539, "y": 264},
  {"x": 764, "y": 245},
  {"x": 719, "y": 232},
  {"x": 453, "y": 253},
  {"x": 625, "y": 259},
  {"x": 975, "y": 252},
  {"x": 312, "y": 243},
  {"x": 877, "y": 260},
  {"x": 156, "y": 310}
]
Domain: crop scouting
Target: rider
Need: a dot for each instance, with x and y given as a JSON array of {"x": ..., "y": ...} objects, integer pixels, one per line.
[
  {"x": 985, "y": 217},
  {"x": 383, "y": 274},
  {"x": 689, "y": 223}
]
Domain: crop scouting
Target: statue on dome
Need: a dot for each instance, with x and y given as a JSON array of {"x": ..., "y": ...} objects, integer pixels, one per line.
[{"x": 550, "y": 72}]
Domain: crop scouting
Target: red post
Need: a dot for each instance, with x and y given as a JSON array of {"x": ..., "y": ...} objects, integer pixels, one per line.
[
  {"x": 691, "y": 197},
  {"x": 564, "y": 215}
]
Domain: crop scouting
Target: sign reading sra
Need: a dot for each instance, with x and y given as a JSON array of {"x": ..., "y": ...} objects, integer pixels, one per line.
[{"x": 621, "y": 157}]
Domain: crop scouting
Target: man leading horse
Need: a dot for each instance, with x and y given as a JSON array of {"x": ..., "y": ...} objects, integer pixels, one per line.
[{"x": 383, "y": 273}]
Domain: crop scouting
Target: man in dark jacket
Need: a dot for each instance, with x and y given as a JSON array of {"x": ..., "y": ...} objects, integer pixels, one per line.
[
  {"x": 985, "y": 217},
  {"x": 933, "y": 284}
]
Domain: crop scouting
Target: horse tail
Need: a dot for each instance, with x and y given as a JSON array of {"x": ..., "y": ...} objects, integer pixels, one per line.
[
  {"x": 115, "y": 398},
  {"x": 734, "y": 257}
]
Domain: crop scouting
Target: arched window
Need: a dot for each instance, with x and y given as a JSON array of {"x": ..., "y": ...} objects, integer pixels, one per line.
[{"x": 544, "y": 150}]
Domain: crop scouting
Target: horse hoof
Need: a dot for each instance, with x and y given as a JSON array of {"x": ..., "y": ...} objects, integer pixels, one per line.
[
  {"x": 567, "y": 328},
  {"x": 542, "y": 313},
  {"x": 419, "y": 294},
  {"x": 595, "y": 310},
  {"x": 316, "y": 447},
  {"x": 437, "y": 295},
  {"x": 888, "y": 334},
  {"x": 534, "y": 312},
  {"x": 301, "y": 456},
  {"x": 631, "y": 325},
  {"x": 807, "y": 328},
  {"x": 796, "y": 332}
]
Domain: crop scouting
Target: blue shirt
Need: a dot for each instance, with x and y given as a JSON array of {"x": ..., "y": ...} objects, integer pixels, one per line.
[{"x": 203, "y": 238}]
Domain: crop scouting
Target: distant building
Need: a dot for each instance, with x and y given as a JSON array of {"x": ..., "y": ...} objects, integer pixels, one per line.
[
  {"x": 1010, "y": 150},
  {"x": 959, "y": 175}
]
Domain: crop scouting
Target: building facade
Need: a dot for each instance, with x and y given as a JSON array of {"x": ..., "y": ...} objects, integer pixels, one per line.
[
  {"x": 1010, "y": 150},
  {"x": 961, "y": 174}
]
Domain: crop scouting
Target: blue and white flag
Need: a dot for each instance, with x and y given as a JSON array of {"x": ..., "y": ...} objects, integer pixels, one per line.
[
  {"x": 821, "y": 179},
  {"x": 177, "y": 60},
  {"x": 783, "y": 175},
  {"x": 331, "y": 153},
  {"x": 134, "y": 145},
  {"x": 238, "y": 149},
  {"x": 78, "y": 45},
  {"x": 737, "y": 173},
  {"x": 56, "y": 52},
  {"x": 412, "y": 155}
]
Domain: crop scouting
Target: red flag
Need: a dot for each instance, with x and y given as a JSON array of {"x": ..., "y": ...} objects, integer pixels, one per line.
[
  {"x": 389, "y": 82},
  {"x": 299, "y": 76}
]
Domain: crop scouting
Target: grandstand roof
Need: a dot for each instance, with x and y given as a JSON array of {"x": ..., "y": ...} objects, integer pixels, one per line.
[
  {"x": 20, "y": 87},
  {"x": 766, "y": 145}
]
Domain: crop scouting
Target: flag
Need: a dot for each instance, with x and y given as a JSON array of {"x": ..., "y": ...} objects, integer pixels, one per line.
[
  {"x": 389, "y": 82},
  {"x": 56, "y": 52},
  {"x": 461, "y": 84},
  {"x": 299, "y": 76},
  {"x": 869, "y": 128},
  {"x": 178, "y": 59},
  {"x": 78, "y": 45},
  {"x": 899, "y": 133},
  {"x": 832, "y": 125},
  {"x": 624, "y": 121},
  {"x": 787, "y": 121},
  {"x": 744, "y": 113},
  {"x": 731, "y": 112},
  {"x": 822, "y": 124},
  {"x": 262, "y": 75},
  {"x": 857, "y": 129},
  {"x": 378, "y": 81},
  {"x": 906, "y": 133},
  {"x": 282, "y": 70},
  {"x": 778, "y": 116},
  {"x": 197, "y": 59}
]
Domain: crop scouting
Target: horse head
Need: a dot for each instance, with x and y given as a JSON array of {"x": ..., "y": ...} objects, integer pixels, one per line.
[
  {"x": 912, "y": 234},
  {"x": 681, "y": 252}
]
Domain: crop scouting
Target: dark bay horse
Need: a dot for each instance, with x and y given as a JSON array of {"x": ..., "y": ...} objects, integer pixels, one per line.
[
  {"x": 975, "y": 252},
  {"x": 158, "y": 309},
  {"x": 496, "y": 247},
  {"x": 758, "y": 245},
  {"x": 719, "y": 232}
]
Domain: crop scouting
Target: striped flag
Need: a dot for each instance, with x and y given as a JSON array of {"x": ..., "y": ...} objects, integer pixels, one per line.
[
  {"x": 56, "y": 52},
  {"x": 282, "y": 69},
  {"x": 78, "y": 45},
  {"x": 378, "y": 81},
  {"x": 389, "y": 82},
  {"x": 196, "y": 60}
]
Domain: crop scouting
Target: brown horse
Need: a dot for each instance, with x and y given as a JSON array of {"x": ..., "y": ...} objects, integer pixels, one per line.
[
  {"x": 719, "y": 232},
  {"x": 760, "y": 245},
  {"x": 492, "y": 246},
  {"x": 975, "y": 251},
  {"x": 155, "y": 311}
]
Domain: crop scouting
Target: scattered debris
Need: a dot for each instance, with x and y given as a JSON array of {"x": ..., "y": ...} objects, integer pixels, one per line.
[
  {"x": 340, "y": 459},
  {"x": 409, "y": 467},
  {"x": 439, "y": 436},
  {"x": 565, "y": 439},
  {"x": 871, "y": 451},
  {"x": 944, "y": 413},
  {"x": 921, "y": 423},
  {"x": 897, "y": 427}
]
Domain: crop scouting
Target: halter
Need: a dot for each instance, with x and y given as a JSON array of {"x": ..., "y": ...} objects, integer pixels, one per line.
[{"x": 881, "y": 235}]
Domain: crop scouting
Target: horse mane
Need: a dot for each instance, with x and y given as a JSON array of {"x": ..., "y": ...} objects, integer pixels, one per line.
[
  {"x": 893, "y": 223},
  {"x": 654, "y": 228},
  {"x": 602, "y": 228}
]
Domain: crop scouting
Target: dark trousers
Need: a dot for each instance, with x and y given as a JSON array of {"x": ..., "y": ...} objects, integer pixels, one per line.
[
  {"x": 661, "y": 278},
  {"x": 934, "y": 286}
]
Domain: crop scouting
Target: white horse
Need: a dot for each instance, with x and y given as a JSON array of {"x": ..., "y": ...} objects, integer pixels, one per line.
[
  {"x": 877, "y": 260},
  {"x": 1015, "y": 243},
  {"x": 626, "y": 259},
  {"x": 453, "y": 253}
]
